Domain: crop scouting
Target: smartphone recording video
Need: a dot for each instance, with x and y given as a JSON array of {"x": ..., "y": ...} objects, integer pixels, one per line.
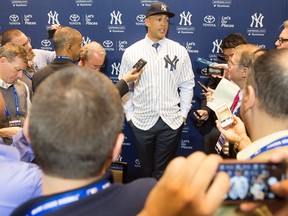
[
  {"x": 251, "y": 181},
  {"x": 224, "y": 115},
  {"x": 140, "y": 64},
  {"x": 215, "y": 71}
]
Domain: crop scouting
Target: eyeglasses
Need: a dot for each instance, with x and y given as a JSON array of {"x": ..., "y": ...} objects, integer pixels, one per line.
[
  {"x": 282, "y": 40},
  {"x": 95, "y": 66}
]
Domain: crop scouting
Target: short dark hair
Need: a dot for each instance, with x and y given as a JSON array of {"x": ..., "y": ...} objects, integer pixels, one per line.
[
  {"x": 232, "y": 41},
  {"x": 75, "y": 120},
  {"x": 64, "y": 36},
  {"x": 270, "y": 71}
]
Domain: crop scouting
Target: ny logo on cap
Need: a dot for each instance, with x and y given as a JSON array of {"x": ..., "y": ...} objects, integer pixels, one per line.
[{"x": 163, "y": 7}]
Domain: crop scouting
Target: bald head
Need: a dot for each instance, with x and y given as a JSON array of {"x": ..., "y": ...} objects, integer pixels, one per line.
[
  {"x": 92, "y": 56},
  {"x": 18, "y": 38},
  {"x": 67, "y": 42},
  {"x": 64, "y": 36},
  {"x": 9, "y": 35}
]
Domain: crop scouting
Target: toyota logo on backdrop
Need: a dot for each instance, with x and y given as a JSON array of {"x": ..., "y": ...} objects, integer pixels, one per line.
[
  {"x": 140, "y": 18},
  {"x": 74, "y": 17},
  {"x": 209, "y": 19},
  {"x": 107, "y": 43},
  {"x": 13, "y": 18},
  {"x": 45, "y": 43}
]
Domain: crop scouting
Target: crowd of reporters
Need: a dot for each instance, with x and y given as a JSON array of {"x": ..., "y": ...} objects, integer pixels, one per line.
[{"x": 72, "y": 105}]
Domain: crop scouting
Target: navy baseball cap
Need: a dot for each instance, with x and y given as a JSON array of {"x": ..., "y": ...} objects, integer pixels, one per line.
[{"x": 159, "y": 8}]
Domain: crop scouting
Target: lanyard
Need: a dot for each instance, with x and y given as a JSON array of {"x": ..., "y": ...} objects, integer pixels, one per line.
[
  {"x": 64, "y": 57},
  {"x": 16, "y": 104},
  {"x": 27, "y": 75},
  {"x": 59, "y": 201},
  {"x": 278, "y": 143}
]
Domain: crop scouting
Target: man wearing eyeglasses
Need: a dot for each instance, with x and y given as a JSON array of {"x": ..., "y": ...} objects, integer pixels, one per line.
[
  {"x": 282, "y": 41},
  {"x": 239, "y": 66},
  {"x": 13, "y": 61},
  {"x": 37, "y": 58},
  {"x": 208, "y": 128}
]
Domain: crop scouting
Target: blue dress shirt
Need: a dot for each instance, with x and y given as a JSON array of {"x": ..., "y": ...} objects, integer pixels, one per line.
[{"x": 19, "y": 181}]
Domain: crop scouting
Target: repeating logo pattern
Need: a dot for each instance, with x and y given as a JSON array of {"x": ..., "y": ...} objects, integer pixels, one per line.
[
  {"x": 185, "y": 24},
  {"x": 53, "y": 18},
  {"x": 19, "y": 3},
  {"x": 115, "y": 27},
  {"x": 108, "y": 45},
  {"x": 256, "y": 27},
  {"x": 28, "y": 19},
  {"x": 85, "y": 40},
  {"x": 84, "y": 3},
  {"x": 46, "y": 44},
  {"x": 116, "y": 22},
  {"x": 185, "y": 144},
  {"x": 222, "y": 3},
  {"x": 140, "y": 20}
]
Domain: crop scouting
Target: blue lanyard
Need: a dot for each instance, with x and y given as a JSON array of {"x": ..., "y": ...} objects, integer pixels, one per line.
[
  {"x": 36, "y": 67},
  {"x": 27, "y": 75},
  {"x": 16, "y": 104},
  {"x": 278, "y": 143},
  {"x": 64, "y": 57},
  {"x": 57, "y": 202}
]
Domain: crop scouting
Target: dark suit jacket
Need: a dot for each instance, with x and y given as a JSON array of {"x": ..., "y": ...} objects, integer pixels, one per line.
[
  {"x": 122, "y": 87},
  {"x": 51, "y": 68}
]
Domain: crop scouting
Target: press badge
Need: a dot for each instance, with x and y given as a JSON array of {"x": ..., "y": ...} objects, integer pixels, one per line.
[{"x": 15, "y": 123}]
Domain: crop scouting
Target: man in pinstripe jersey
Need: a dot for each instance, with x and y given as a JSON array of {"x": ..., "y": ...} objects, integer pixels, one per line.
[{"x": 157, "y": 105}]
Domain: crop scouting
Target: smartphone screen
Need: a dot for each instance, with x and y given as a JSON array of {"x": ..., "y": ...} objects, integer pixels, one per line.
[
  {"x": 215, "y": 71},
  {"x": 140, "y": 64},
  {"x": 250, "y": 181},
  {"x": 224, "y": 115}
]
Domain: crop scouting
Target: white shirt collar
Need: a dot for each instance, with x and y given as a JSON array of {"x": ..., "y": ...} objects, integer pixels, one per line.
[{"x": 4, "y": 84}]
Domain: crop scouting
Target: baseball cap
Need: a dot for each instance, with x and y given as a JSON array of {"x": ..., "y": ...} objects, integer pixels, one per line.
[{"x": 159, "y": 8}]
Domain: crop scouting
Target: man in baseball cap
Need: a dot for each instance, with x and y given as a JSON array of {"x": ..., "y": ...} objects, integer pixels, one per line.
[
  {"x": 159, "y": 8},
  {"x": 151, "y": 106}
]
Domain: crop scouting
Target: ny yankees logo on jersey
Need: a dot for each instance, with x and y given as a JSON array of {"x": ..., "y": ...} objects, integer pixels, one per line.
[{"x": 172, "y": 63}]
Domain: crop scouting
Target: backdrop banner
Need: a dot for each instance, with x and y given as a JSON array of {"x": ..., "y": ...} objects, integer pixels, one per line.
[{"x": 199, "y": 26}]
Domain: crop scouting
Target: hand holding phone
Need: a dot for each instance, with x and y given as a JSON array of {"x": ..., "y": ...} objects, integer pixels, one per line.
[
  {"x": 211, "y": 70},
  {"x": 140, "y": 64},
  {"x": 204, "y": 88},
  {"x": 224, "y": 115},
  {"x": 196, "y": 112},
  {"x": 251, "y": 180}
]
